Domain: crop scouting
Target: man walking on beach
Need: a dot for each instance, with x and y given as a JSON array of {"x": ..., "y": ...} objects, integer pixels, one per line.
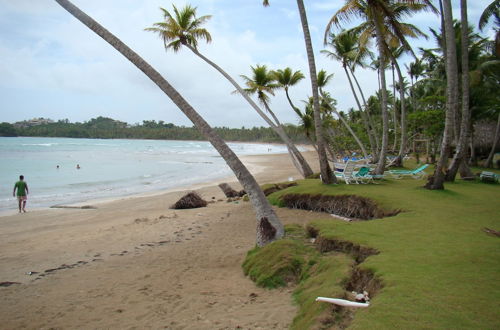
[{"x": 22, "y": 193}]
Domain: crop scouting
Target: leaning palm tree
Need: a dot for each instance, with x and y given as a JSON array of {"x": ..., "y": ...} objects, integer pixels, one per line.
[
  {"x": 184, "y": 28},
  {"x": 269, "y": 227},
  {"x": 323, "y": 79},
  {"x": 327, "y": 175}
]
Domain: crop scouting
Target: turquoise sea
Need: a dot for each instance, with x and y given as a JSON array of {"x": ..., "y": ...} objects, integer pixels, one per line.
[{"x": 108, "y": 168}]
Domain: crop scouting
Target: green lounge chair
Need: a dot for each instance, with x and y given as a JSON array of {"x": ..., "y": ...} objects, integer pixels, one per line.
[
  {"x": 489, "y": 177},
  {"x": 363, "y": 175},
  {"x": 417, "y": 173}
]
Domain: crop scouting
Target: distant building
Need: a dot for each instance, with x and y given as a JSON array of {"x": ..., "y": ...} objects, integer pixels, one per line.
[{"x": 33, "y": 122}]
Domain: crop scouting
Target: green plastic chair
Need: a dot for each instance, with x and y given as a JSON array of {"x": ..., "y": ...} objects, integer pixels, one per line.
[
  {"x": 417, "y": 173},
  {"x": 364, "y": 175}
]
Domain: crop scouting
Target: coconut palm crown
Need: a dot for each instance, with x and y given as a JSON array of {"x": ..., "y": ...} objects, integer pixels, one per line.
[
  {"x": 181, "y": 28},
  {"x": 261, "y": 83}
]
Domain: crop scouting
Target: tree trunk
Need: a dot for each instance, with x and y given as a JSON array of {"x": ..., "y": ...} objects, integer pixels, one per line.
[
  {"x": 326, "y": 172},
  {"x": 461, "y": 147},
  {"x": 363, "y": 116},
  {"x": 394, "y": 109},
  {"x": 269, "y": 227},
  {"x": 489, "y": 161},
  {"x": 383, "y": 91},
  {"x": 304, "y": 168},
  {"x": 404, "y": 134},
  {"x": 373, "y": 131},
  {"x": 437, "y": 180}
]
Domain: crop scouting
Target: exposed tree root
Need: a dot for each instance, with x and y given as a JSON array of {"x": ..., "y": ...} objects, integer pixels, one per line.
[{"x": 350, "y": 206}]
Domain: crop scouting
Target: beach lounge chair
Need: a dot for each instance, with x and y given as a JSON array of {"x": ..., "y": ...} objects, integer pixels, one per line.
[
  {"x": 489, "y": 177},
  {"x": 348, "y": 174},
  {"x": 363, "y": 175},
  {"x": 417, "y": 173}
]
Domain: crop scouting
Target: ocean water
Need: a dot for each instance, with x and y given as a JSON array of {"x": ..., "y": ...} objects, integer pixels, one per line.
[{"x": 108, "y": 168}]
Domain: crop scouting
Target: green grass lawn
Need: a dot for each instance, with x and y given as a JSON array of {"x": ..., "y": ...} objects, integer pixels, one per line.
[{"x": 438, "y": 268}]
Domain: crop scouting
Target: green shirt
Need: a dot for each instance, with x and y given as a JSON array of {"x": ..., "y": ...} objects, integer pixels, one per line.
[{"x": 21, "y": 188}]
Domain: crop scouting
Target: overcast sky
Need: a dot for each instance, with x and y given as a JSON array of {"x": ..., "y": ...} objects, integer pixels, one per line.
[{"x": 54, "y": 67}]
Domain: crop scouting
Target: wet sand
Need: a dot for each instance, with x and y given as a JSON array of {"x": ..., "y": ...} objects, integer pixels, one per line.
[{"x": 134, "y": 263}]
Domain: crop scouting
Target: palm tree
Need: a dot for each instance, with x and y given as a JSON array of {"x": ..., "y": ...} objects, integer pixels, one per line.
[
  {"x": 285, "y": 79},
  {"x": 461, "y": 148},
  {"x": 269, "y": 227},
  {"x": 382, "y": 18},
  {"x": 263, "y": 83},
  {"x": 327, "y": 176},
  {"x": 492, "y": 10},
  {"x": 184, "y": 29},
  {"x": 323, "y": 80},
  {"x": 436, "y": 181},
  {"x": 346, "y": 50}
]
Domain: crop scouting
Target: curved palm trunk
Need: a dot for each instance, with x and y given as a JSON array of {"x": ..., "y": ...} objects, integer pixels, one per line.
[
  {"x": 373, "y": 131},
  {"x": 304, "y": 168},
  {"x": 269, "y": 227},
  {"x": 404, "y": 135},
  {"x": 437, "y": 180},
  {"x": 383, "y": 91},
  {"x": 363, "y": 116},
  {"x": 326, "y": 172},
  {"x": 461, "y": 149}
]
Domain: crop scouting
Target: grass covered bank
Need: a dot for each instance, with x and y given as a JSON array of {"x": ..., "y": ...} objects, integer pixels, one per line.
[{"x": 437, "y": 266}]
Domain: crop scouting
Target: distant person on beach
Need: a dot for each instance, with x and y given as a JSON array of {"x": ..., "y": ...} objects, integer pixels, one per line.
[
  {"x": 22, "y": 193},
  {"x": 77, "y": 166}
]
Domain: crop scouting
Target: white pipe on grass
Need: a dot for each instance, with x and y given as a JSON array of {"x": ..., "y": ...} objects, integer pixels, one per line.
[{"x": 342, "y": 302}]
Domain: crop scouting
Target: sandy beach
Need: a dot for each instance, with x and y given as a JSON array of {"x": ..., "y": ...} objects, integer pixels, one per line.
[{"x": 134, "y": 263}]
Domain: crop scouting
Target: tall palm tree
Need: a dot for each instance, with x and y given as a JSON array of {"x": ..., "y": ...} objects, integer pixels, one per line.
[
  {"x": 323, "y": 80},
  {"x": 269, "y": 227},
  {"x": 327, "y": 175},
  {"x": 346, "y": 49},
  {"x": 382, "y": 18},
  {"x": 461, "y": 148},
  {"x": 436, "y": 182},
  {"x": 183, "y": 28}
]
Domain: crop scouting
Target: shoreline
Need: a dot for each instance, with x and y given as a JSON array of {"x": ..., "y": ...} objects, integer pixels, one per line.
[
  {"x": 246, "y": 159},
  {"x": 136, "y": 263},
  {"x": 86, "y": 200}
]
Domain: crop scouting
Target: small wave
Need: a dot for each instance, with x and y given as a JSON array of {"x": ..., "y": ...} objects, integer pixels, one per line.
[{"x": 40, "y": 144}]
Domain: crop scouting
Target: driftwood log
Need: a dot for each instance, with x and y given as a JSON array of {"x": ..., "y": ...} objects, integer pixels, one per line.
[{"x": 230, "y": 192}]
